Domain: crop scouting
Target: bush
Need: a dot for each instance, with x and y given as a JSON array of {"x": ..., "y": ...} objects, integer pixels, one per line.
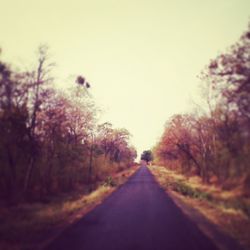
[
  {"x": 186, "y": 190},
  {"x": 240, "y": 205},
  {"x": 109, "y": 181}
]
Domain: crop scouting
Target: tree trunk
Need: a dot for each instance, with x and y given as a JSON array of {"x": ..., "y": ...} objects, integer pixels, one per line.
[{"x": 28, "y": 174}]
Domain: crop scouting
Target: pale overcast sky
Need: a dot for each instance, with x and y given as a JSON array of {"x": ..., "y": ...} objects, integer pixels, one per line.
[{"x": 141, "y": 56}]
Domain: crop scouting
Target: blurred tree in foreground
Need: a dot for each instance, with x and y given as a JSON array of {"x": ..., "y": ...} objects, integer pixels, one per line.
[
  {"x": 50, "y": 140},
  {"x": 215, "y": 145}
]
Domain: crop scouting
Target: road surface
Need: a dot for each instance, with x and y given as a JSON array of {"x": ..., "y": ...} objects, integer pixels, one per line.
[{"x": 138, "y": 216}]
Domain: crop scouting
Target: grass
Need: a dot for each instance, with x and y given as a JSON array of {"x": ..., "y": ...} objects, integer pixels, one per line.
[
  {"x": 28, "y": 225},
  {"x": 228, "y": 209}
]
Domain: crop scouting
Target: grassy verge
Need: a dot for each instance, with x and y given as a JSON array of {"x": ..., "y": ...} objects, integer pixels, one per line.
[
  {"x": 28, "y": 226},
  {"x": 226, "y": 209}
]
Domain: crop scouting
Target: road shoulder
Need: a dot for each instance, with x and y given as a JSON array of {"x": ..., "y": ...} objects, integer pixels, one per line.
[{"x": 221, "y": 239}]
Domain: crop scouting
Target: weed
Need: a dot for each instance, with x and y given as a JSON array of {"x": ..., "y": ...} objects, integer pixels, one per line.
[
  {"x": 109, "y": 181},
  {"x": 186, "y": 190}
]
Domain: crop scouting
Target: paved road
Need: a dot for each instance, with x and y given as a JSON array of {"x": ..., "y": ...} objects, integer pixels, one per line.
[{"x": 138, "y": 216}]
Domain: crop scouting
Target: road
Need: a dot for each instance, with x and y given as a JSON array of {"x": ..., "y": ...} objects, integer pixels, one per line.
[{"x": 138, "y": 216}]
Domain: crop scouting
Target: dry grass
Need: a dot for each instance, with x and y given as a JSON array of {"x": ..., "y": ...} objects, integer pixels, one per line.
[
  {"x": 227, "y": 209},
  {"x": 28, "y": 225}
]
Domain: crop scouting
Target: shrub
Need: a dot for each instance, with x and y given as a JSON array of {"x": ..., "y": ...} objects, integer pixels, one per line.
[{"x": 109, "y": 182}]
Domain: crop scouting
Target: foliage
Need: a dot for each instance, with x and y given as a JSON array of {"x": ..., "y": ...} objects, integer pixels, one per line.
[
  {"x": 215, "y": 146},
  {"x": 26, "y": 225},
  {"x": 109, "y": 182},
  {"x": 147, "y": 156},
  {"x": 51, "y": 141}
]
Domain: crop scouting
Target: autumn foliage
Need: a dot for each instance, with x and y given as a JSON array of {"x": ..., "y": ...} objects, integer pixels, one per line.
[
  {"x": 215, "y": 144},
  {"x": 51, "y": 141}
]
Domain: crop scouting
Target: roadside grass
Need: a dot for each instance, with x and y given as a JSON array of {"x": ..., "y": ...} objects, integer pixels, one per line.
[
  {"x": 26, "y": 226},
  {"x": 228, "y": 209}
]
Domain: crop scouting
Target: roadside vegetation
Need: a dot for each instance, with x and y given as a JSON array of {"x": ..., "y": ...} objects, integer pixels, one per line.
[
  {"x": 206, "y": 153},
  {"x": 51, "y": 141},
  {"x": 227, "y": 209},
  {"x": 34, "y": 225},
  {"x": 55, "y": 157},
  {"x": 214, "y": 142}
]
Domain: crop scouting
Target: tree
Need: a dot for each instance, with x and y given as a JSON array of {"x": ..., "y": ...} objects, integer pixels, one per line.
[
  {"x": 16, "y": 143},
  {"x": 147, "y": 156},
  {"x": 215, "y": 144},
  {"x": 37, "y": 80},
  {"x": 230, "y": 76},
  {"x": 50, "y": 139}
]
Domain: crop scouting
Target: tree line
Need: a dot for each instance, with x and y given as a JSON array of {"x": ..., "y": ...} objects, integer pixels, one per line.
[
  {"x": 50, "y": 140},
  {"x": 215, "y": 144}
]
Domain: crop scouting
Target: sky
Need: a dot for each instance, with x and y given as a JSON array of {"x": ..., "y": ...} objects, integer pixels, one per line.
[{"x": 141, "y": 57}]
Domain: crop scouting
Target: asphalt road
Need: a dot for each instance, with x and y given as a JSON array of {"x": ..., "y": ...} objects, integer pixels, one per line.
[{"x": 138, "y": 216}]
